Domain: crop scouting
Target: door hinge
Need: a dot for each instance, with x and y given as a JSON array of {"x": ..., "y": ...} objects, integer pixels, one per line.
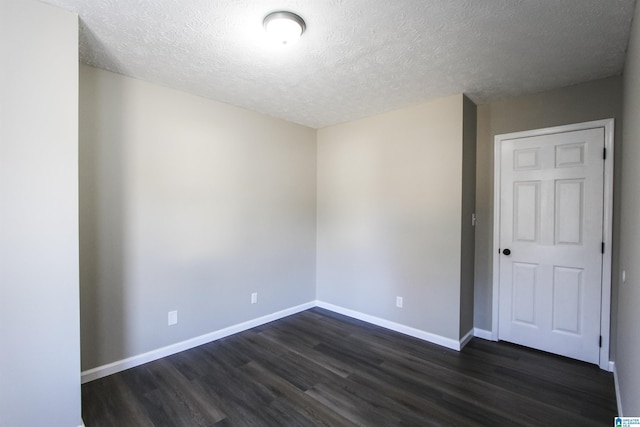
[
  {"x": 602, "y": 248},
  {"x": 604, "y": 153},
  {"x": 600, "y": 342}
]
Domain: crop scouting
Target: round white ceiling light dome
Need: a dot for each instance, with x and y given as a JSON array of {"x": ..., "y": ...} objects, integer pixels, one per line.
[{"x": 284, "y": 27}]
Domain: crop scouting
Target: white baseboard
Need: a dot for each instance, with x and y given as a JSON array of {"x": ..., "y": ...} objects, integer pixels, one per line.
[
  {"x": 130, "y": 362},
  {"x": 617, "y": 387},
  {"x": 483, "y": 333},
  {"x": 403, "y": 329}
]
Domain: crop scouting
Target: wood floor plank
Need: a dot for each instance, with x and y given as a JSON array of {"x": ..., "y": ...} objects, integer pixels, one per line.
[
  {"x": 312, "y": 356},
  {"x": 111, "y": 402},
  {"x": 309, "y": 408},
  {"x": 561, "y": 371},
  {"x": 527, "y": 410},
  {"x": 188, "y": 395},
  {"x": 241, "y": 400},
  {"x": 319, "y": 368},
  {"x": 433, "y": 398},
  {"x": 525, "y": 384}
]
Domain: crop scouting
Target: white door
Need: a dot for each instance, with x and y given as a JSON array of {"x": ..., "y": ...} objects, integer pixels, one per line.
[{"x": 551, "y": 234}]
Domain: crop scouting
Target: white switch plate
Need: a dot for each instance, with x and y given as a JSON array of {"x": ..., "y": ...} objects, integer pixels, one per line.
[
  {"x": 173, "y": 317},
  {"x": 399, "y": 302},
  {"x": 254, "y": 298},
  {"x": 624, "y": 276}
]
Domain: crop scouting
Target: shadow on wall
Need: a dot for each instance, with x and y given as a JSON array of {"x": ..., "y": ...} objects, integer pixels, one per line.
[
  {"x": 186, "y": 204},
  {"x": 103, "y": 238}
]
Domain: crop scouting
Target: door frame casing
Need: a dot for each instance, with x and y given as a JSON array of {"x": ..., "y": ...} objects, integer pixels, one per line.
[{"x": 607, "y": 230}]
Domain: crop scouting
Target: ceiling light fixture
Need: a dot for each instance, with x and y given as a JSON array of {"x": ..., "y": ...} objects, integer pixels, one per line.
[{"x": 284, "y": 27}]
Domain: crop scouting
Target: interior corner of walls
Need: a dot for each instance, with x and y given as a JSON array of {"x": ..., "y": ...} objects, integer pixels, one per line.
[
  {"x": 466, "y": 338},
  {"x": 440, "y": 340},
  {"x": 483, "y": 334},
  {"x": 467, "y": 98},
  {"x": 137, "y": 360}
]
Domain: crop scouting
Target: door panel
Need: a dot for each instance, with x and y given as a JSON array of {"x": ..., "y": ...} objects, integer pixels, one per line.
[
  {"x": 524, "y": 293},
  {"x": 551, "y": 216},
  {"x": 569, "y": 220},
  {"x": 526, "y": 216},
  {"x": 567, "y": 295}
]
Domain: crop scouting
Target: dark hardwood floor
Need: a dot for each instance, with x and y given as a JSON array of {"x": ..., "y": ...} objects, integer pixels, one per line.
[{"x": 318, "y": 368}]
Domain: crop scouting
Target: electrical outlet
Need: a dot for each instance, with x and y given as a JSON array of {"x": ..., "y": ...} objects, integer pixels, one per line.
[
  {"x": 399, "y": 302},
  {"x": 173, "y": 317},
  {"x": 254, "y": 298}
]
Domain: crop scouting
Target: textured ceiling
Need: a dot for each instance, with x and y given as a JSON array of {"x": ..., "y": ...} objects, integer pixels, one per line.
[{"x": 357, "y": 57}]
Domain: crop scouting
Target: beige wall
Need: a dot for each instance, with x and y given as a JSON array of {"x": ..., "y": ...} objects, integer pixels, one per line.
[
  {"x": 628, "y": 349},
  {"x": 595, "y": 100},
  {"x": 389, "y": 216},
  {"x": 467, "y": 244},
  {"x": 39, "y": 308},
  {"x": 190, "y": 205}
]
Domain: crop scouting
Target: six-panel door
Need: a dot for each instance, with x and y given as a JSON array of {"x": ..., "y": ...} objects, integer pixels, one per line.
[{"x": 551, "y": 220}]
